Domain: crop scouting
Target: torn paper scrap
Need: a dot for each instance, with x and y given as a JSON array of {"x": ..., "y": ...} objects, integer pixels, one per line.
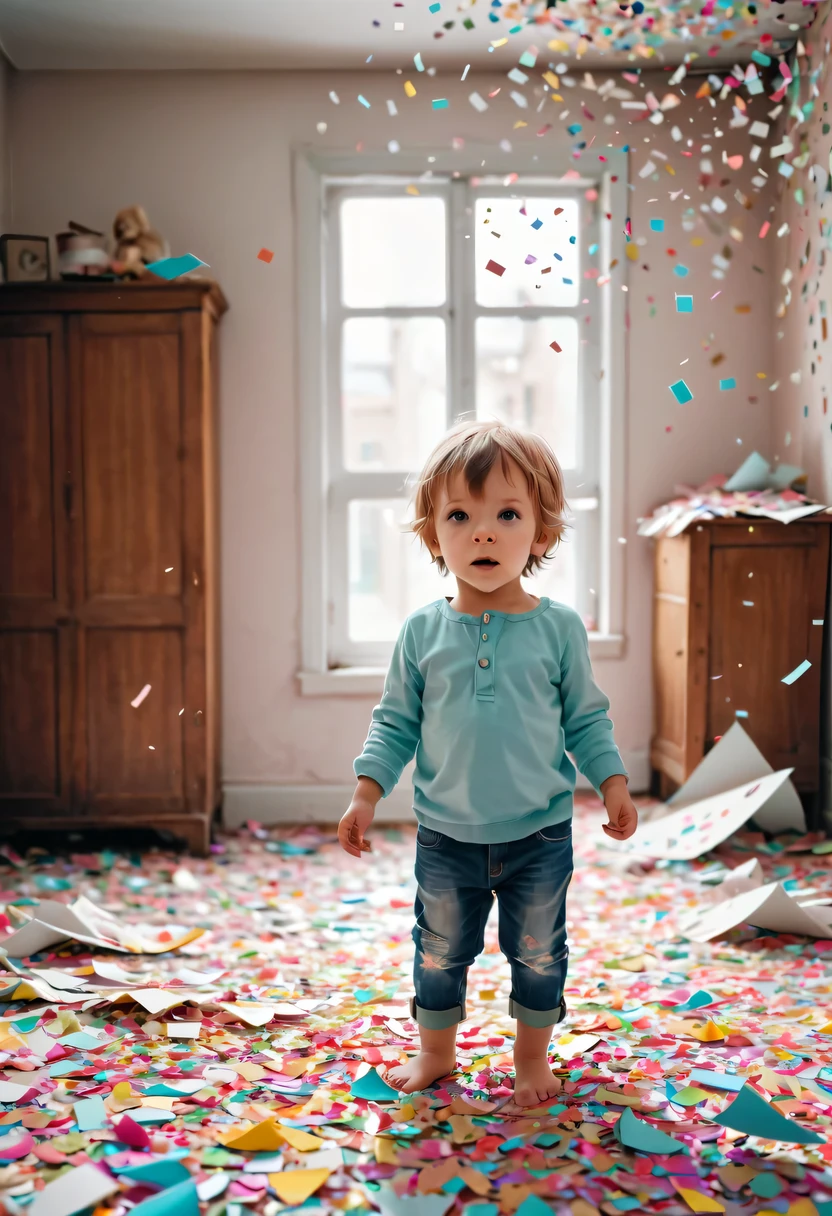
[
  {"x": 81, "y": 1188},
  {"x": 751, "y": 1114},
  {"x": 52, "y": 923}
]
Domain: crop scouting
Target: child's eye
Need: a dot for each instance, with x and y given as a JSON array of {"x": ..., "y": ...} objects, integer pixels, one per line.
[
  {"x": 453, "y": 513},
  {"x": 509, "y": 511}
]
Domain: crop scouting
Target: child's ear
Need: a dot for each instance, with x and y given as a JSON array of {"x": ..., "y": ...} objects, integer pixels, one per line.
[{"x": 542, "y": 543}]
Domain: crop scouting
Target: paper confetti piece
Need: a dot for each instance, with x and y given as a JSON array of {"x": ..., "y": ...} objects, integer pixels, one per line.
[
  {"x": 635, "y": 1133},
  {"x": 172, "y": 268},
  {"x": 800, "y": 670},
  {"x": 374, "y": 1088},
  {"x": 684, "y": 303},
  {"x": 696, "y": 1200},
  {"x": 495, "y": 267},
  {"x": 265, "y": 255},
  {"x": 72, "y": 1192},
  {"x": 728, "y": 383},
  {"x": 296, "y": 1186},
  {"x": 751, "y": 1114},
  {"x": 179, "y": 1200},
  {"x": 440, "y": 103},
  {"x": 681, "y": 392},
  {"x": 555, "y": 347},
  {"x": 140, "y": 696}
]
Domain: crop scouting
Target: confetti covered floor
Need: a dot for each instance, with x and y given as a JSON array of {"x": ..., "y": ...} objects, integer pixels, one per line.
[{"x": 241, "y": 1072}]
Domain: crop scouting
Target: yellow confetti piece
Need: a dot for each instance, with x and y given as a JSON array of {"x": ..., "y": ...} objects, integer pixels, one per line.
[
  {"x": 411, "y": 190},
  {"x": 299, "y": 1139},
  {"x": 385, "y": 1151},
  {"x": 519, "y": 123},
  {"x": 500, "y": 42},
  {"x": 607, "y": 1095},
  {"x": 552, "y": 80},
  {"x": 711, "y": 1032},
  {"x": 557, "y": 44},
  {"x": 697, "y": 1202},
  {"x": 409, "y": 89},
  {"x": 261, "y": 1138},
  {"x": 296, "y": 1186},
  {"x": 632, "y": 252},
  {"x": 487, "y": 994},
  {"x": 696, "y": 241}
]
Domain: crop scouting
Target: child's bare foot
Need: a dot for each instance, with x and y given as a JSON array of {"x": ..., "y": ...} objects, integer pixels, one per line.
[
  {"x": 421, "y": 1071},
  {"x": 534, "y": 1081}
]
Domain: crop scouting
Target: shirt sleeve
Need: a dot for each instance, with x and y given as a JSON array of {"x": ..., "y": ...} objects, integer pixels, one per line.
[
  {"x": 586, "y": 723},
  {"x": 396, "y": 725}
]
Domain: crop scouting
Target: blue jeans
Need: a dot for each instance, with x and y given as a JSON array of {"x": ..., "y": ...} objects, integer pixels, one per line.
[{"x": 456, "y": 885}]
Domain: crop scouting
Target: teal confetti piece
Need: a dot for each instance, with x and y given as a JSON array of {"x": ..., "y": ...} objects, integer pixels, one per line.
[
  {"x": 725, "y": 385},
  {"x": 761, "y": 58},
  {"x": 373, "y": 1088},
  {"x": 657, "y": 225},
  {"x": 91, "y": 1114},
  {"x": 797, "y": 673},
  {"x": 441, "y": 103},
  {"x": 641, "y": 1136},
  {"x": 741, "y": 713},
  {"x": 684, "y": 303},
  {"x": 172, "y": 268},
  {"x": 434, "y": 8},
  {"x": 681, "y": 271},
  {"x": 528, "y": 59},
  {"x": 681, "y": 392},
  {"x": 363, "y": 100},
  {"x": 179, "y": 1200},
  {"x": 417, "y": 59}
]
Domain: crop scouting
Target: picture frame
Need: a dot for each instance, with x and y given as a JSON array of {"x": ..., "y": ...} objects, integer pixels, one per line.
[{"x": 25, "y": 259}]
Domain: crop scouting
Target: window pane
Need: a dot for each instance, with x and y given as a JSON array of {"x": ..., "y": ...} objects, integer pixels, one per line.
[
  {"x": 393, "y": 252},
  {"x": 390, "y": 571},
  {"x": 558, "y": 578},
  {"x": 548, "y": 245},
  {"x": 525, "y": 383},
  {"x": 392, "y": 391}
]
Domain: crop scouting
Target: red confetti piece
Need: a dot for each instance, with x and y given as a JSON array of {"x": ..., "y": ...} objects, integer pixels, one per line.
[
  {"x": 266, "y": 255},
  {"x": 555, "y": 347},
  {"x": 495, "y": 267}
]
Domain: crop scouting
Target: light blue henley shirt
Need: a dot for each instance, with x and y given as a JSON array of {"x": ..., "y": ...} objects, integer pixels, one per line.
[{"x": 490, "y": 705}]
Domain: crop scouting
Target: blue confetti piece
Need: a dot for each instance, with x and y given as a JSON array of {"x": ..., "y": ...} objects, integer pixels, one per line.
[
  {"x": 537, "y": 224},
  {"x": 363, "y": 100},
  {"x": 681, "y": 392},
  {"x": 657, "y": 225},
  {"x": 729, "y": 383},
  {"x": 684, "y": 303},
  {"x": 797, "y": 673},
  {"x": 172, "y": 268},
  {"x": 568, "y": 282},
  {"x": 593, "y": 249},
  {"x": 434, "y": 8},
  {"x": 681, "y": 271},
  {"x": 574, "y": 128},
  {"x": 440, "y": 103},
  {"x": 559, "y": 258},
  {"x": 572, "y": 240},
  {"x": 741, "y": 713},
  {"x": 417, "y": 59}
]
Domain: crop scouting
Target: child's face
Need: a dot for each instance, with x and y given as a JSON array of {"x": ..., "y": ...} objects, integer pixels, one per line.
[{"x": 501, "y": 526}]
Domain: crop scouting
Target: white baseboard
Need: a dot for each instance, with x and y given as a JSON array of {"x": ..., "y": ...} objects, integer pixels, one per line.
[{"x": 270, "y": 804}]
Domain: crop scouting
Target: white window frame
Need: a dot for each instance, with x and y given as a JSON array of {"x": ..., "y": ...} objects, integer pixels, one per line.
[{"x": 326, "y": 489}]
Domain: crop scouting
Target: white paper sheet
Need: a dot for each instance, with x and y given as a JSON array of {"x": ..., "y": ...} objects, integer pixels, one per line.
[
  {"x": 701, "y": 826},
  {"x": 734, "y": 760},
  {"x": 81, "y": 1188},
  {"x": 767, "y": 907}
]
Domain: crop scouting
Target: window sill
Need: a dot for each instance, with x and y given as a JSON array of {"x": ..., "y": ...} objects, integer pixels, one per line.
[{"x": 369, "y": 681}]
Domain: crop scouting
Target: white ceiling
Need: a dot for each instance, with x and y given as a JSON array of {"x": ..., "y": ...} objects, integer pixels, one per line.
[{"x": 321, "y": 34}]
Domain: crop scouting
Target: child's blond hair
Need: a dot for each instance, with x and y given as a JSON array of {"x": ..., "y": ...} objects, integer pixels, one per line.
[{"x": 472, "y": 449}]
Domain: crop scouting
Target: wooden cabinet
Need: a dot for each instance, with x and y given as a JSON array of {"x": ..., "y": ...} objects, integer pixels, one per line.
[
  {"x": 735, "y": 606},
  {"x": 108, "y": 557}
]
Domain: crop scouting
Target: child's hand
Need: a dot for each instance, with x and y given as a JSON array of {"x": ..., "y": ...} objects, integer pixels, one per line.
[
  {"x": 623, "y": 816},
  {"x": 352, "y": 827}
]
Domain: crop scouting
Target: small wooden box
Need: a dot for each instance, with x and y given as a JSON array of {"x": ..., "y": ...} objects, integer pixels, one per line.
[{"x": 734, "y": 606}]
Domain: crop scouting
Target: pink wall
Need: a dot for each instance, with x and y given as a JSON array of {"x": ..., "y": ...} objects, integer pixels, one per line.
[
  {"x": 803, "y": 366},
  {"x": 208, "y": 154}
]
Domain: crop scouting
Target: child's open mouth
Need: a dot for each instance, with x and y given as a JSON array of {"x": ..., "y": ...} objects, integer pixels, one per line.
[{"x": 485, "y": 561}]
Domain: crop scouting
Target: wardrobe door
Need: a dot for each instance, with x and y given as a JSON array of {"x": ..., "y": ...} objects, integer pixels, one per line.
[
  {"x": 128, "y": 437},
  {"x": 35, "y": 625}
]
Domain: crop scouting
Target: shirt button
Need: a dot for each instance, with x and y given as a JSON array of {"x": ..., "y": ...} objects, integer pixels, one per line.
[
  {"x": 486, "y": 618},
  {"x": 483, "y": 662},
  {"x": 485, "y": 637}
]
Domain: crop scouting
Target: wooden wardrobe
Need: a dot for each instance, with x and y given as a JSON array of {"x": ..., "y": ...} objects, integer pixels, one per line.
[
  {"x": 738, "y": 604},
  {"x": 109, "y": 557}
]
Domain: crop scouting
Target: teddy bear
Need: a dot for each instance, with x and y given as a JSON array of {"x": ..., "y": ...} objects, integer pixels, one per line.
[{"x": 137, "y": 244}]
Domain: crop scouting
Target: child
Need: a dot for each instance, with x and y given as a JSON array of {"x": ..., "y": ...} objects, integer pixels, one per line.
[{"x": 490, "y": 690}]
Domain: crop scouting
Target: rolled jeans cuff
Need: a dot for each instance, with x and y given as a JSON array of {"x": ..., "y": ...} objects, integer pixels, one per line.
[
  {"x": 436, "y": 1019},
  {"x": 538, "y": 1018}
]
